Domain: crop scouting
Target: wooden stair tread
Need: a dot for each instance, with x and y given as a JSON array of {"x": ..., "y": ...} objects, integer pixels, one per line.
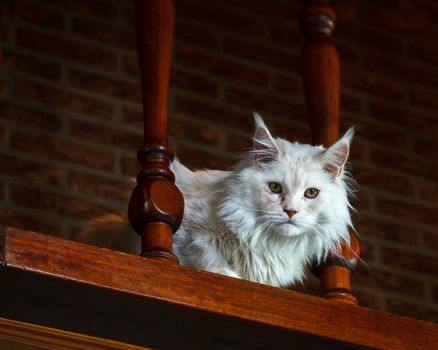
[{"x": 72, "y": 286}]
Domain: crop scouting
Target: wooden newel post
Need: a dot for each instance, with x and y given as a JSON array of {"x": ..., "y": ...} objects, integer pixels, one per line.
[
  {"x": 156, "y": 205},
  {"x": 321, "y": 80}
]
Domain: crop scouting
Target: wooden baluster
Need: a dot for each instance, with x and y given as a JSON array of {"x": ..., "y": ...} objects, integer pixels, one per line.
[
  {"x": 156, "y": 205},
  {"x": 321, "y": 80}
]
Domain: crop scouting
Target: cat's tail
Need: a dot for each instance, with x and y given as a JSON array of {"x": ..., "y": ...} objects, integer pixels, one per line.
[{"x": 110, "y": 231}]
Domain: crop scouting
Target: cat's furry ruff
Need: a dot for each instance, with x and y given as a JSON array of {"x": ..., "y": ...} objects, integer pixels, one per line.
[{"x": 234, "y": 225}]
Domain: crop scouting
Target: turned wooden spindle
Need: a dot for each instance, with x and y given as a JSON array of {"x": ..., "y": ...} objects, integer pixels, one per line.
[
  {"x": 156, "y": 205},
  {"x": 321, "y": 80}
]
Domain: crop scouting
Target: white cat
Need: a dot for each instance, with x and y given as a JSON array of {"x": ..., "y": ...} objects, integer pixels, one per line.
[{"x": 283, "y": 206}]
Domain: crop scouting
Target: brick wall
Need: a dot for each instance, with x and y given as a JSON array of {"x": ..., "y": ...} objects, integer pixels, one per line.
[{"x": 70, "y": 117}]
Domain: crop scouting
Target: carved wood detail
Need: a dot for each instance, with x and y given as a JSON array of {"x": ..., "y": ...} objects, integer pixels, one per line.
[
  {"x": 321, "y": 80},
  {"x": 156, "y": 205}
]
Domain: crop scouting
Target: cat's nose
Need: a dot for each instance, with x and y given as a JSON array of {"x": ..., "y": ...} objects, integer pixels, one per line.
[{"x": 290, "y": 212}]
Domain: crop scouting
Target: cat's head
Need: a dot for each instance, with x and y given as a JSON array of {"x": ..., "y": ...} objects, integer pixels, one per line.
[{"x": 291, "y": 190}]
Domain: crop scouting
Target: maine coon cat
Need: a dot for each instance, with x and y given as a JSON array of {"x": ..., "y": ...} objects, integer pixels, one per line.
[{"x": 281, "y": 207}]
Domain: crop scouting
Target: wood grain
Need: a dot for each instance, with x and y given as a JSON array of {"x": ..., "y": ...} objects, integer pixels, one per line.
[
  {"x": 20, "y": 335},
  {"x": 321, "y": 80},
  {"x": 149, "y": 303},
  {"x": 156, "y": 205}
]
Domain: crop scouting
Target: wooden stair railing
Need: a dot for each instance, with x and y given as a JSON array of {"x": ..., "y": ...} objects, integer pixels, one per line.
[
  {"x": 156, "y": 206},
  {"x": 88, "y": 290},
  {"x": 321, "y": 80}
]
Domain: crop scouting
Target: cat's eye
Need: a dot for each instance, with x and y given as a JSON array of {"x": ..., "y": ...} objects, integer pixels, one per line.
[
  {"x": 275, "y": 187},
  {"x": 311, "y": 193}
]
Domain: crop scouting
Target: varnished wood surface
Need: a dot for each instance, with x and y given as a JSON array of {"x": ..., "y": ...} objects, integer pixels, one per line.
[
  {"x": 156, "y": 206},
  {"x": 321, "y": 81},
  {"x": 95, "y": 291},
  {"x": 25, "y": 336}
]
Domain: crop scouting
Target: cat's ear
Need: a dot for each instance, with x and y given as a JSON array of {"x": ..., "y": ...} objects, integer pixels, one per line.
[
  {"x": 264, "y": 147},
  {"x": 335, "y": 157}
]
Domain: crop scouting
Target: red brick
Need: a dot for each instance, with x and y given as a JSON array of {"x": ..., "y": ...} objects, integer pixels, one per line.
[
  {"x": 434, "y": 292},
  {"x": 194, "y": 34},
  {"x": 30, "y": 171},
  {"x": 409, "y": 211},
  {"x": 293, "y": 132},
  {"x": 426, "y": 147},
  {"x": 220, "y": 66},
  {"x": 55, "y": 203},
  {"x": 376, "y": 133},
  {"x": 105, "y": 33},
  {"x": 196, "y": 158},
  {"x": 371, "y": 227},
  {"x": 404, "y": 163},
  {"x": 263, "y": 103},
  {"x": 37, "y": 14},
  {"x": 372, "y": 84},
  {"x": 425, "y": 98},
  {"x": 193, "y": 82},
  {"x": 424, "y": 54},
  {"x": 287, "y": 84},
  {"x": 72, "y": 50},
  {"x": 389, "y": 20},
  {"x": 104, "y": 135},
  {"x": 112, "y": 188},
  {"x": 415, "y": 262},
  {"x": 368, "y": 298},
  {"x": 361, "y": 201},
  {"x": 56, "y": 148},
  {"x": 210, "y": 113},
  {"x": 398, "y": 69},
  {"x": 221, "y": 17},
  {"x": 430, "y": 241},
  {"x": 32, "y": 65},
  {"x": 367, "y": 253},
  {"x": 277, "y": 9},
  {"x": 286, "y": 34},
  {"x": 384, "y": 180},
  {"x": 416, "y": 310},
  {"x": 197, "y": 132},
  {"x": 63, "y": 99},
  {"x": 98, "y": 8},
  {"x": 391, "y": 281},
  {"x": 273, "y": 58},
  {"x": 130, "y": 65},
  {"x": 2, "y": 134},
  {"x": 238, "y": 142},
  {"x": 22, "y": 219},
  {"x": 403, "y": 117},
  {"x": 130, "y": 166},
  {"x": 429, "y": 192},
  {"x": 426, "y": 10},
  {"x": 132, "y": 115},
  {"x": 28, "y": 116},
  {"x": 106, "y": 86},
  {"x": 357, "y": 151},
  {"x": 369, "y": 38},
  {"x": 4, "y": 31}
]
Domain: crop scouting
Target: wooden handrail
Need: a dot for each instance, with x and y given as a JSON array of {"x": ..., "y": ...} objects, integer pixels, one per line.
[
  {"x": 80, "y": 288},
  {"x": 156, "y": 205},
  {"x": 321, "y": 80}
]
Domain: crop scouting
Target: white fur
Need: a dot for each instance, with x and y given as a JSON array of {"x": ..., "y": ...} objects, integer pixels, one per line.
[{"x": 234, "y": 225}]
